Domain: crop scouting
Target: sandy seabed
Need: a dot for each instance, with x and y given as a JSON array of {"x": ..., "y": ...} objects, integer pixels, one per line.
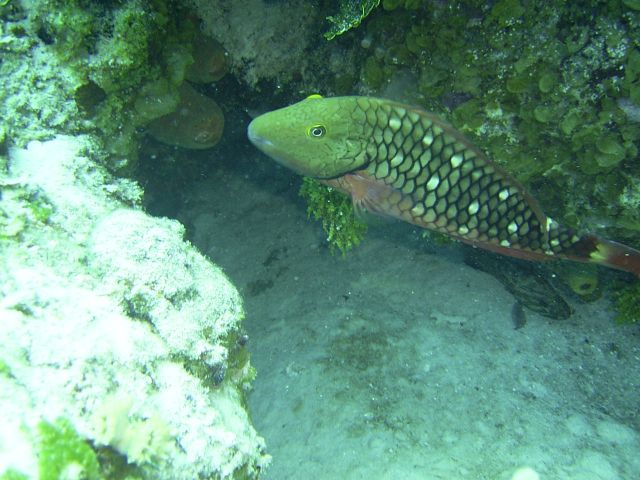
[{"x": 403, "y": 362}]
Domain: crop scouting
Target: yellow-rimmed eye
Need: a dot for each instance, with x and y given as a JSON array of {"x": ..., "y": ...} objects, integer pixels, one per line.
[{"x": 316, "y": 131}]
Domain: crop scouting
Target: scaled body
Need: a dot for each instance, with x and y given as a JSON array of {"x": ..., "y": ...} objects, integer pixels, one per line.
[{"x": 405, "y": 163}]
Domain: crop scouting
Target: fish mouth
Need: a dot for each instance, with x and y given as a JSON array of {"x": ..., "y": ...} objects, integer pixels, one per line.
[
  {"x": 256, "y": 139},
  {"x": 268, "y": 147}
]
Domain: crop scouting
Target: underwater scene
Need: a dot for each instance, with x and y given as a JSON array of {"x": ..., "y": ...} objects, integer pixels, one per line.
[{"x": 288, "y": 240}]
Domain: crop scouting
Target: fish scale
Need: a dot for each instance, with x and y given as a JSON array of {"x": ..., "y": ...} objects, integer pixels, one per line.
[
  {"x": 403, "y": 162},
  {"x": 452, "y": 186}
]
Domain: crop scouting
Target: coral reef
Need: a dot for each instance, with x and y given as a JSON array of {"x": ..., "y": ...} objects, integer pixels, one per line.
[
  {"x": 112, "y": 48},
  {"x": 43, "y": 111},
  {"x": 122, "y": 355},
  {"x": 265, "y": 40},
  {"x": 139, "y": 440},
  {"x": 120, "y": 57},
  {"x": 105, "y": 311}
]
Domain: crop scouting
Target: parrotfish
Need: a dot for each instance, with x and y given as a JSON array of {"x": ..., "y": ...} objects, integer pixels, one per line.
[{"x": 402, "y": 162}]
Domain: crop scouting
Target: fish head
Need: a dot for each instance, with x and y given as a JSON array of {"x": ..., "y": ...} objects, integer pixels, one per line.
[{"x": 317, "y": 137}]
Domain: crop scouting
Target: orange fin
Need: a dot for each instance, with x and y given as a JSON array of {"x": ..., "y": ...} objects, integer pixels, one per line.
[
  {"x": 613, "y": 254},
  {"x": 368, "y": 195}
]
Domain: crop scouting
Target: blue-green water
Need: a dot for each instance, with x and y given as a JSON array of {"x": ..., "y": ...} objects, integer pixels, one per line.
[{"x": 398, "y": 361}]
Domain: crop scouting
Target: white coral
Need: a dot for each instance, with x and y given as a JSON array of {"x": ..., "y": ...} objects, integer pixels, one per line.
[{"x": 74, "y": 350}]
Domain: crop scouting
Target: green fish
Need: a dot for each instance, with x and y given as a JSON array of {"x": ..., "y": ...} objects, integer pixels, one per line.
[{"x": 403, "y": 162}]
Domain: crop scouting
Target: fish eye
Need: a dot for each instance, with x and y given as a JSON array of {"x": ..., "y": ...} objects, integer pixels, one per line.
[{"x": 317, "y": 131}]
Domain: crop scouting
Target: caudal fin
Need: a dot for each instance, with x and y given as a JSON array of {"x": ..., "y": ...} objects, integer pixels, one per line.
[{"x": 608, "y": 253}]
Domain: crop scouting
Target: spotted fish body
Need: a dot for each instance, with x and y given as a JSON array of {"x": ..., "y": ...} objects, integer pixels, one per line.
[{"x": 402, "y": 162}]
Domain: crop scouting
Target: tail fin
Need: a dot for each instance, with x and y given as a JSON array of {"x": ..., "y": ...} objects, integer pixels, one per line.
[
  {"x": 617, "y": 255},
  {"x": 591, "y": 248}
]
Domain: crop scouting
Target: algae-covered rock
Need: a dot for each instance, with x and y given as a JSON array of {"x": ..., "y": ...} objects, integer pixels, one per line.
[
  {"x": 265, "y": 40},
  {"x": 105, "y": 311},
  {"x": 209, "y": 61},
  {"x": 156, "y": 99},
  {"x": 581, "y": 278},
  {"x": 350, "y": 15},
  {"x": 197, "y": 122},
  {"x": 118, "y": 59},
  {"x": 627, "y": 302}
]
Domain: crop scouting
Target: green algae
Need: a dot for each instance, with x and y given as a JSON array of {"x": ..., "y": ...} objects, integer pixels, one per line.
[
  {"x": 236, "y": 369},
  {"x": 632, "y": 4},
  {"x": 125, "y": 56},
  {"x": 408, "y": 4},
  {"x": 627, "y": 304},
  {"x": 373, "y": 73},
  {"x": 335, "y": 210},
  {"x": 351, "y": 13},
  {"x": 5, "y": 369},
  {"x": 36, "y": 210},
  {"x": 63, "y": 453},
  {"x": 13, "y": 474}
]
